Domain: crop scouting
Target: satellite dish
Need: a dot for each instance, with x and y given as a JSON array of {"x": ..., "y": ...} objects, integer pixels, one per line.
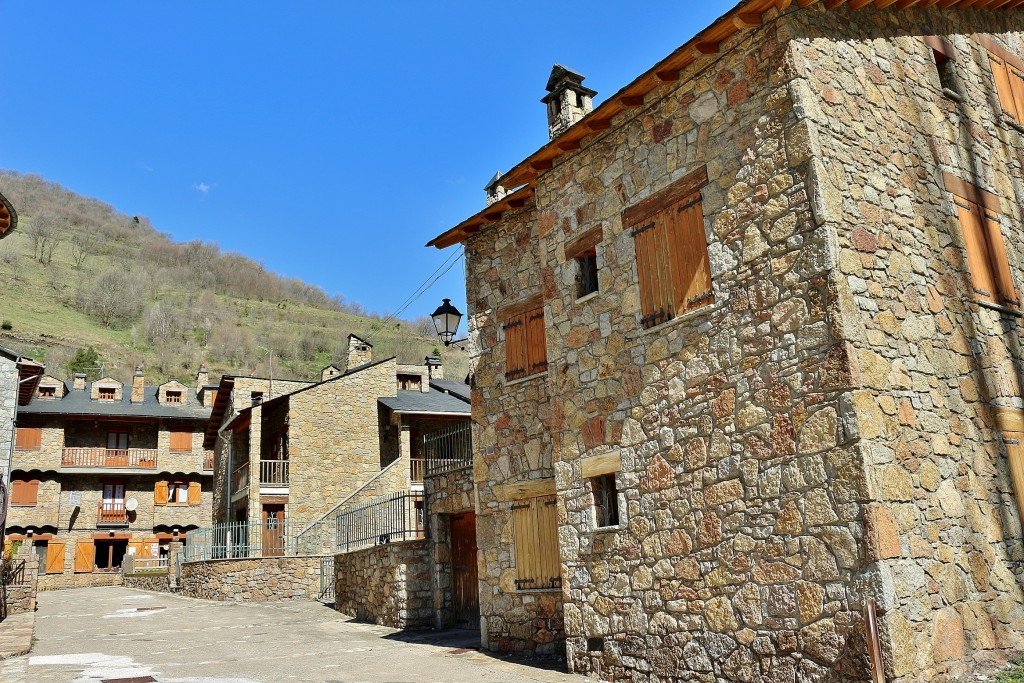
[{"x": 131, "y": 505}]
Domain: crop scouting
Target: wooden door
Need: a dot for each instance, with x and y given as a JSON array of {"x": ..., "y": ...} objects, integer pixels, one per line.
[
  {"x": 465, "y": 588},
  {"x": 273, "y": 530}
]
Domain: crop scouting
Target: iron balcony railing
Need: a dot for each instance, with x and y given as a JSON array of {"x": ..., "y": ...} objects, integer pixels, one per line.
[
  {"x": 240, "y": 478},
  {"x": 112, "y": 513},
  {"x": 399, "y": 517},
  {"x": 273, "y": 472},
  {"x": 239, "y": 540},
  {"x": 448, "y": 449},
  {"x": 109, "y": 457}
]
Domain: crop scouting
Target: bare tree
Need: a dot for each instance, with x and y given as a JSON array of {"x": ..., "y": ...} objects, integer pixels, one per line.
[
  {"x": 83, "y": 244},
  {"x": 114, "y": 296},
  {"x": 45, "y": 230}
]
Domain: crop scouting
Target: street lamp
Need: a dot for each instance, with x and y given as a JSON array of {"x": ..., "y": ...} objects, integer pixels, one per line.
[{"x": 446, "y": 322}]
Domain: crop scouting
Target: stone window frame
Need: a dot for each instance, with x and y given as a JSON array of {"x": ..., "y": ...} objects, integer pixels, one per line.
[
  {"x": 585, "y": 246},
  {"x": 602, "y": 465},
  {"x": 945, "y": 58}
]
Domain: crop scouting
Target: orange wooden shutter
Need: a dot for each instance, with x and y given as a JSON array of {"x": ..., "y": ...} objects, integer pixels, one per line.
[
  {"x": 978, "y": 259},
  {"x": 29, "y": 439},
  {"x": 16, "y": 492},
  {"x": 194, "y": 492},
  {"x": 1001, "y": 75},
  {"x": 515, "y": 347},
  {"x": 1016, "y": 78},
  {"x": 536, "y": 342},
  {"x": 137, "y": 545},
  {"x": 160, "y": 494},
  {"x": 645, "y": 240},
  {"x": 31, "y": 492},
  {"x": 181, "y": 441},
  {"x": 535, "y": 527},
  {"x": 1000, "y": 264},
  {"x": 85, "y": 555},
  {"x": 1015, "y": 458},
  {"x": 55, "y": 557},
  {"x": 688, "y": 249}
]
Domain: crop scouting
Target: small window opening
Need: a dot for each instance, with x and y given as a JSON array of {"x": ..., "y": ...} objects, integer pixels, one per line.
[
  {"x": 947, "y": 72},
  {"x": 107, "y": 393},
  {"x": 586, "y": 274},
  {"x": 47, "y": 392},
  {"x": 579, "y": 100},
  {"x": 257, "y": 397},
  {"x": 606, "y": 500},
  {"x": 173, "y": 397},
  {"x": 177, "y": 492}
]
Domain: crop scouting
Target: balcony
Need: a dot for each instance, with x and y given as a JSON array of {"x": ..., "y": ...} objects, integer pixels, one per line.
[
  {"x": 208, "y": 461},
  {"x": 144, "y": 458},
  {"x": 111, "y": 513},
  {"x": 273, "y": 473},
  {"x": 417, "y": 467},
  {"x": 240, "y": 478}
]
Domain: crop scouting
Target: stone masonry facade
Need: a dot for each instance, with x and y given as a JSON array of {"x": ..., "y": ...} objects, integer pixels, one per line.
[
  {"x": 823, "y": 432},
  {"x": 266, "y": 579},
  {"x": 8, "y": 405},
  {"x": 386, "y": 584}
]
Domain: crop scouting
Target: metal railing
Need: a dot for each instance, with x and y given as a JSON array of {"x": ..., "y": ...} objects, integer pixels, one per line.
[
  {"x": 12, "y": 572},
  {"x": 111, "y": 512},
  {"x": 273, "y": 472},
  {"x": 399, "y": 517},
  {"x": 109, "y": 457},
  {"x": 448, "y": 449},
  {"x": 238, "y": 540},
  {"x": 240, "y": 478}
]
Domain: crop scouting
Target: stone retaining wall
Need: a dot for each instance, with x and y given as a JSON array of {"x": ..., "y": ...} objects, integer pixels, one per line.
[
  {"x": 150, "y": 581},
  {"x": 51, "y": 582},
  {"x": 18, "y": 599},
  {"x": 386, "y": 584},
  {"x": 264, "y": 579}
]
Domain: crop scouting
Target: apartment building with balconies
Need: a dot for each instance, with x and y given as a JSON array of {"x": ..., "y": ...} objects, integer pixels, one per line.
[{"x": 101, "y": 470}]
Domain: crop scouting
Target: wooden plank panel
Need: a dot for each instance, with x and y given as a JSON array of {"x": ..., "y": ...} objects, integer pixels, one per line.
[
  {"x": 194, "y": 492},
  {"x": 29, "y": 439},
  {"x": 521, "y": 523},
  {"x": 55, "y": 557},
  {"x": 524, "y": 489},
  {"x": 641, "y": 241},
  {"x": 1016, "y": 78},
  {"x": 605, "y": 463},
  {"x": 971, "y": 192},
  {"x": 982, "y": 279},
  {"x": 1015, "y": 462},
  {"x": 160, "y": 493},
  {"x": 1009, "y": 419},
  {"x": 700, "y": 289},
  {"x": 1002, "y": 80},
  {"x": 512, "y": 311},
  {"x": 639, "y": 213},
  {"x": 588, "y": 240},
  {"x": 666, "y": 301},
  {"x": 547, "y": 528},
  {"x": 537, "y": 357},
  {"x": 85, "y": 555},
  {"x": 1000, "y": 264}
]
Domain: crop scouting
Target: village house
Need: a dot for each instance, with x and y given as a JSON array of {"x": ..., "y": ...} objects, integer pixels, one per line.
[
  {"x": 746, "y": 354},
  {"x": 312, "y": 449},
  {"x": 102, "y": 470},
  {"x": 19, "y": 376}
]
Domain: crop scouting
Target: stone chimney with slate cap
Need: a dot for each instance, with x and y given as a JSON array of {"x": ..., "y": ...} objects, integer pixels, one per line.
[
  {"x": 79, "y": 383},
  {"x": 568, "y": 100},
  {"x": 202, "y": 377},
  {"x": 495, "y": 192},
  {"x": 138, "y": 386},
  {"x": 360, "y": 352}
]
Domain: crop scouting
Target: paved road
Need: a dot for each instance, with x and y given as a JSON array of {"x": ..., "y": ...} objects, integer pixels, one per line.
[{"x": 93, "y": 634}]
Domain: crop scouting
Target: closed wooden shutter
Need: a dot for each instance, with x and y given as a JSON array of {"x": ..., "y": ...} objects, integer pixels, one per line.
[
  {"x": 24, "y": 492},
  {"x": 55, "y": 557},
  {"x": 1015, "y": 458},
  {"x": 1001, "y": 73},
  {"x": 160, "y": 494},
  {"x": 535, "y": 524},
  {"x": 1016, "y": 78},
  {"x": 536, "y": 342},
  {"x": 181, "y": 441},
  {"x": 194, "y": 492},
  {"x": 672, "y": 262},
  {"x": 515, "y": 348},
  {"x": 978, "y": 258},
  {"x": 136, "y": 548},
  {"x": 1000, "y": 264},
  {"x": 85, "y": 555},
  {"x": 29, "y": 439}
]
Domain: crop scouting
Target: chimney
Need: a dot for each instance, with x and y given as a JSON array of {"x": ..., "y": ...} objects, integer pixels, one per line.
[
  {"x": 567, "y": 100},
  {"x": 202, "y": 378},
  {"x": 434, "y": 370},
  {"x": 79, "y": 383},
  {"x": 495, "y": 192},
  {"x": 138, "y": 386},
  {"x": 360, "y": 351}
]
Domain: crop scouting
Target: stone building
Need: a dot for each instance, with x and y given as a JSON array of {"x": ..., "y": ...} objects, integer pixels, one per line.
[
  {"x": 19, "y": 376},
  {"x": 747, "y": 355},
  {"x": 311, "y": 448},
  {"x": 101, "y": 470}
]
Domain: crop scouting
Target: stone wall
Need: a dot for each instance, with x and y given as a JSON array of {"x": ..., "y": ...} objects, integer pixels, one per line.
[
  {"x": 265, "y": 579},
  {"x": 8, "y": 405},
  {"x": 148, "y": 581},
  {"x": 387, "y": 584},
  {"x": 21, "y": 597},
  {"x": 944, "y": 537}
]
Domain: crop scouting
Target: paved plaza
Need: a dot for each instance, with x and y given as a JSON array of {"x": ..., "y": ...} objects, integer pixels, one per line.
[{"x": 97, "y": 634}]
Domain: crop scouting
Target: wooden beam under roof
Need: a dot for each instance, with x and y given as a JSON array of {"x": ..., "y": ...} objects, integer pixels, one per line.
[{"x": 475, "y": 223}]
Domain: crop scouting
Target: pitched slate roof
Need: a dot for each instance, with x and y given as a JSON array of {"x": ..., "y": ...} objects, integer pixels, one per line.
[
  {"x": 450, "y": 386},
  {"x": 77, "y": 402},
  {"x": 432, "y": 401}
]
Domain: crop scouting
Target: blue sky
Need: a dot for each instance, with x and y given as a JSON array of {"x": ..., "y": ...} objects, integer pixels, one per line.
[{"x": 328, "y": 140}]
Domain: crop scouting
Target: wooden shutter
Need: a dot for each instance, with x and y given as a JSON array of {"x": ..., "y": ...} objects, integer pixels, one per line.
[
  {"x": 515, "y": 347},
  {"x": 17, "y": 492},
  {"x": 536, "y": 342},
  {"x": 1001, "y": 76},
  {"x": 1000, "y": 264},
  {"x": 29, "y": 439},
  {"x": 978, "y": 258},
  {"x": 181, "y": 441},
  {"x": 1016, "y": 78},
  {"x": 535, "y": 524},
  {"x": 160, "y": 494},
  {"x": 138, "y": 545},
  {"x": 1015, "y": 458},
  {"x": 24, "y": 492},
  {"x": 55, "y": 557},
  {"x": 85, "y": 555},
  {"x": 151, "y": 547},
  {"x": 194, "y": 492},
  {"x": 652, "y": 311}
]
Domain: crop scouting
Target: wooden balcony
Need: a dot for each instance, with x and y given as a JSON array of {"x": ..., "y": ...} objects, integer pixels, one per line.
[
  {"x": 144, "y": 458},
  {"x": 273, "y": 473},
  {"x": 111, "y": 513},
  {"x": 417, "y": 468}
]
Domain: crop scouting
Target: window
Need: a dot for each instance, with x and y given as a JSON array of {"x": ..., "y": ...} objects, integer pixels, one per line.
[
  {"x": 671, "y": 250},
  {"x": 586, "y": 273},
  {"x": 606, "y": 500},
  {"x": 1008, "y": 75},
  {"x": 525, "y": 344},
  {"x": 172, "y": 396},
  {"x": 117, "y": 440},
  {"x": 24, "y": 492},
  {"x": 536, "y": 543},
  {"x": 410, "y": 382},
  {"x": 945, "y": 63},
  {"x": 257, "y": 397},
  {"x": 107, "y": 393},
  {"x": 47, "y": 392},
  {"x": 181, "y": 440},
  {"x": 980, "y": 221},
  {"x": 29, "y": 439},
  {"x": 177, "y": 493},
  {"x": 109, "y": 554}
]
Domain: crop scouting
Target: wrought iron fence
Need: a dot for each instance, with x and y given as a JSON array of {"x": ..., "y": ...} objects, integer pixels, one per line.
[
  {"x": 448, "y": 449},
  {"x": 12, "y": 572},
  {"x": 238, "y": 540},
  {"x": 399, "y": 517},
  {"x": 326, "y": 579}
]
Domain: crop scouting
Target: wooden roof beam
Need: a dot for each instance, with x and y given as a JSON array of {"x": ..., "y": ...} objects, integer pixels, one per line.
[
  {"x": 569, "y": 144},
  {"x": 706, "y": 47},
  {"x": 599, "y": 124},
  {"x": 542, "y": 164},
  {"x": 631, "y": 101},
  {"x": 832, "y": 4},
  {"x": 805, "y": 3},
  {"x": 857, "y": 4},
  {"x": 747, "y": 20}
]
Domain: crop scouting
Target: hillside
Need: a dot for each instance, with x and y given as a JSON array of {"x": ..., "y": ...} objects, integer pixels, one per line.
[{"x": 78, "y": 273}]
